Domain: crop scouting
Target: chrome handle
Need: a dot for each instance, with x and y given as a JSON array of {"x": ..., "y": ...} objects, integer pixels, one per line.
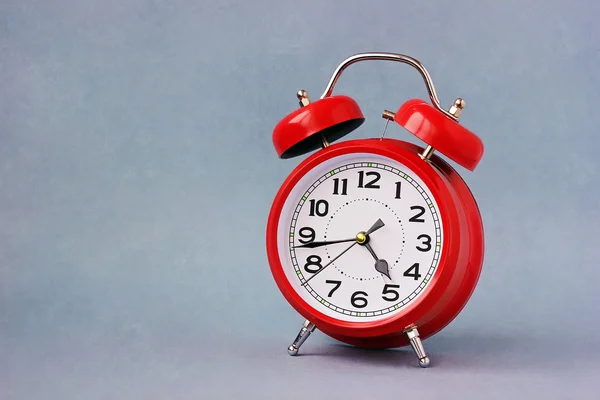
[{"x": 388, "y": 57}]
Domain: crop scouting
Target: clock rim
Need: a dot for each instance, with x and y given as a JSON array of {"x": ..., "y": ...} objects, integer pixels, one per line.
[
  {"x": 420, "y": 307},
  {"x": 468, "y": 269}
]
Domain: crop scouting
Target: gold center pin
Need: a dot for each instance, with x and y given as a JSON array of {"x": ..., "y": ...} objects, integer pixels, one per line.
[{"x": 361, "y": 238}]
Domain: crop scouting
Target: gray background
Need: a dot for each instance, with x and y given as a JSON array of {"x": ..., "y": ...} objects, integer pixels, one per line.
[{"x": 137, "y": 172}]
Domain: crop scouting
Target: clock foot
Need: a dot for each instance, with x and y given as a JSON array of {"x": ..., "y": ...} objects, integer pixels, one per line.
[
  {"x": 307, "y": 328},
  {"x": 415, "y": 341}
]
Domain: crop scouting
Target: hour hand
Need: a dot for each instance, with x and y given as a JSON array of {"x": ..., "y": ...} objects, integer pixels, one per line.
[
  {"x": 312, "y": 245},
  {"x": 381, "y": 265}
]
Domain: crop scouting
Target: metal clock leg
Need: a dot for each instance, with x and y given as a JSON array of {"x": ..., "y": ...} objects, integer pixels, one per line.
[
  {"x": 307, "y": 328},
  {"x": 415, "y": 341}
]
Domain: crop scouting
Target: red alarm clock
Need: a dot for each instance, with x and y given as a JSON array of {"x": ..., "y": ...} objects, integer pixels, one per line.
[{"x": 377, "y": 242}]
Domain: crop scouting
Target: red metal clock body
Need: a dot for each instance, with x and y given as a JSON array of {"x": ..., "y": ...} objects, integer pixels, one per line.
[{"x": 376, "y": 242}]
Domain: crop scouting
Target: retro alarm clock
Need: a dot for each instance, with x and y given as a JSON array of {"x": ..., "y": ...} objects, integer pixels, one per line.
[{"x": 376, "y": 242}]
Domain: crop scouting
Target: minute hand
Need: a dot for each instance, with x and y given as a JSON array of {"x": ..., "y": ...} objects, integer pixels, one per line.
[
  {"x": 319, "y": 244},
  {"x": 378, "y": 224}
]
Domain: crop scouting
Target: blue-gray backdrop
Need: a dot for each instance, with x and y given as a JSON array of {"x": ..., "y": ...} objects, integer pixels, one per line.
[{"x": 137, "y": 172}]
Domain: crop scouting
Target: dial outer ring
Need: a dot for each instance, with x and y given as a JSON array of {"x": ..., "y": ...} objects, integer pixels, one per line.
[{"x": 440, "y": 283}]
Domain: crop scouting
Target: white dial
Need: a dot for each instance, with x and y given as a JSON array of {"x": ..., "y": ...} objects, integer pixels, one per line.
[{"x": 337, "y": 200}]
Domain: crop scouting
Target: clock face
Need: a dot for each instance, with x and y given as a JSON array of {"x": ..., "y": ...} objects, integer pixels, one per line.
[{"x": 364, "y": 276}]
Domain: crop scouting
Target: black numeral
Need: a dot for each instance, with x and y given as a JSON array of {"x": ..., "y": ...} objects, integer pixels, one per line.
[
  {"x": 337, "y": 285},
  {"x": 310, "y": 261},
  {"x": 359, "y": 302},
  {"x": 319, "y": 207},
  {"x": 371, "y": 184},
  {"x": 336, "y": 186},
  {"x": 398, "y": 187},
  {"x": 310, "y": 236},
  {"x": 415, "y": 274},
  {"x": 426, "y": 243},
  {"x": 388, "y": 289},
  {"x": 416, "y": 218}
]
